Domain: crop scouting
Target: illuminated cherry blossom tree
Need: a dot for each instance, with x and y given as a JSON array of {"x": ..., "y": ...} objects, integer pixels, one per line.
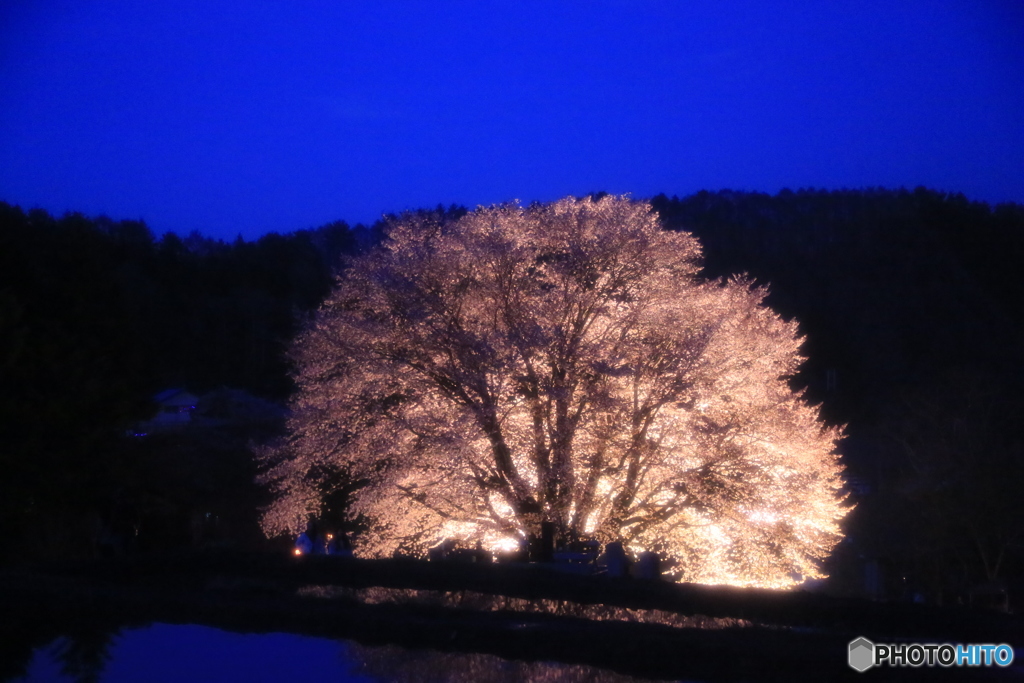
[{"x": 560, "y": 363}]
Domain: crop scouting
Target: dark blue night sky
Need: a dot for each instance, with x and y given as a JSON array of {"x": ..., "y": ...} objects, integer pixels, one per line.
[{"x": 232, "y": 118}]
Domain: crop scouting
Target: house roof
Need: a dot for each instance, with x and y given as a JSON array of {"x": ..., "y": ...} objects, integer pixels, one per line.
[{"x": 175, "y": 397}]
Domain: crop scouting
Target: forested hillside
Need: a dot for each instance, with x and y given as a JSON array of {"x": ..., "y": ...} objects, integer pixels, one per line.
[
  {"x": 96, "y": 317},
  {"x": 891, "y": 288},
  {"x": 910, "y": 303}
]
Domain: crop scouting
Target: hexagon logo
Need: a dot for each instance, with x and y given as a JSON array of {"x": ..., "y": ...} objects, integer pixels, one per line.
[{"x": 862, "y": 654}]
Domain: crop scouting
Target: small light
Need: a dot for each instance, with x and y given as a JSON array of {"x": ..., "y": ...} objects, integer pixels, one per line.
[{"x": 298, "y": 552}]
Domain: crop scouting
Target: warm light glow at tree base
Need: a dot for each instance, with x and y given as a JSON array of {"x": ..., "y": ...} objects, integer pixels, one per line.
[{"x": 560, "y": 364}]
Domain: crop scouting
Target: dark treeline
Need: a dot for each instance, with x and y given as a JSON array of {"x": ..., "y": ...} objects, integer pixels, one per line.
[
  {"x": 909, "y": 300},
  {"x": 96, "y": 317},
  {"x": 891, "y": 288}
]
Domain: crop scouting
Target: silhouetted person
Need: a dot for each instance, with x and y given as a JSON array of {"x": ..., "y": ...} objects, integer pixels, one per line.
[{"x": 481, "y": 555}]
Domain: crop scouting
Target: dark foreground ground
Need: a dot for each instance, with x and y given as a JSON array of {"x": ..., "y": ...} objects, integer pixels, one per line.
[{"x": 655, "y": 630}]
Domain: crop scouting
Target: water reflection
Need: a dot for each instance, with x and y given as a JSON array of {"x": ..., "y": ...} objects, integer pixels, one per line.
[
  {"x": 162, "y": 653},
  {"x": 392, "y": 663}
]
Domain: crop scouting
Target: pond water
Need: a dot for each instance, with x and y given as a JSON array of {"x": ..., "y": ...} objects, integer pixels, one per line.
[{"x": 164, "y": 653}]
